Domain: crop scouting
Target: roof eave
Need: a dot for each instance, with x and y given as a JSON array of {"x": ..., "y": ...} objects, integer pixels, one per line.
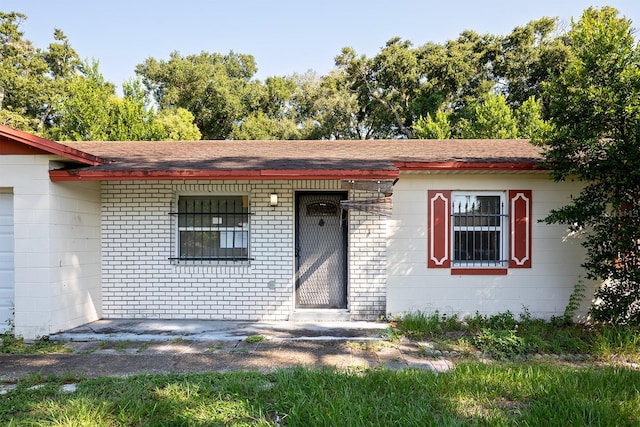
[
  {"x": 50, "y": 147},
  {"x": 470, "y": 166},
  {"x": 259, "y": 175}
]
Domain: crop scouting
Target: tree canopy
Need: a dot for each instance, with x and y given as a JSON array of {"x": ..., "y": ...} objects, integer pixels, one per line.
[
  {"x": 473, "y": 86},
  {"x": 53, "y": 93},
  {"x": 595, "y": 108}
]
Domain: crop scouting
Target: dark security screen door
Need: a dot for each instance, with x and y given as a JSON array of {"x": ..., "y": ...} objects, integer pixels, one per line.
[{"x": 321, "y": 251}]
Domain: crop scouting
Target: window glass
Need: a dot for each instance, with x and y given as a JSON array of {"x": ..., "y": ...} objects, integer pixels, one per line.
[
  {"x": 478, "y": 230},
  {"x": 213, "y": 227}
]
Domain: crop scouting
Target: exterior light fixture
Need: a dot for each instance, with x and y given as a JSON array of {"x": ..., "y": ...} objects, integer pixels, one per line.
[{"x": 273, "y": 199}]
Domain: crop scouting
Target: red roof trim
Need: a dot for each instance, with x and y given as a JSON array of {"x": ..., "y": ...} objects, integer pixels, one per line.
[
  {"x": 92, "y": 175},
  {"x": 49, "y": 146},
  {"x": 471, "y": 166}
]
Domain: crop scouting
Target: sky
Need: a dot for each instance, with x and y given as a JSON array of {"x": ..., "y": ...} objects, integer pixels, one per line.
[{"x": 284, "y": 36}]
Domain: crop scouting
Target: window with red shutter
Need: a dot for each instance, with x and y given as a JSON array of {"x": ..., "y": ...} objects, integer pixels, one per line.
[
  {"x": 479, "y": 232},
  {"x": 439, "y": 228},
  {"x": 520, "y": 228}
]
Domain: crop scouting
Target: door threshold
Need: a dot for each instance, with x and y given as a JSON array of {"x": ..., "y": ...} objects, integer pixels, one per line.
[{"x": 320, "y": 315}]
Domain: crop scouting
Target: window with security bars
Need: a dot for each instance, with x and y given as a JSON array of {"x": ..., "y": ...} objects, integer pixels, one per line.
[
  {"x": 478, "y": 230},
  {"x": 213, "y": 228}
]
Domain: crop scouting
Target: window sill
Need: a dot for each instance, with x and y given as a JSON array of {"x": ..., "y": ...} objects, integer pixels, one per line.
[
  {"x": 211, "y": 262},
  {"x": 479, "y": 271}
]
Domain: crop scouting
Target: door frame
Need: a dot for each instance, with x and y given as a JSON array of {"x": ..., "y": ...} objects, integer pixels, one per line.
[{"x": 345, "y": 244}]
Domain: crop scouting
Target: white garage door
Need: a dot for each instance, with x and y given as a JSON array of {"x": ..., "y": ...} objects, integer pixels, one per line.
[{"x": 6, "y": 260}]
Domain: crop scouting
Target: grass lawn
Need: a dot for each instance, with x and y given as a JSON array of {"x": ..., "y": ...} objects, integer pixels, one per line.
[
  {"x": 474, "y": 393},
  {"x": 514, "y": 387}
]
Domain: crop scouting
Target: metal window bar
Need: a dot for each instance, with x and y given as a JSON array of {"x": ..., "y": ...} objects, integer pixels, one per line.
[
  {"x": 212, "y": 229},
  {"x": 479, "y": 232}
]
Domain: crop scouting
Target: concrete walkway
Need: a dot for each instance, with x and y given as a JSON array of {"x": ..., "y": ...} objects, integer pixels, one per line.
[
  {"x": 220, "y": 330},
  {"x": 123, "y": 348}
]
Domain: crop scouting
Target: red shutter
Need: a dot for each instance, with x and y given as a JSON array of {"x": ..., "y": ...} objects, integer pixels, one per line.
[
  {"x": 520, "y": 228},
  {"x": 439, "y": 229}
]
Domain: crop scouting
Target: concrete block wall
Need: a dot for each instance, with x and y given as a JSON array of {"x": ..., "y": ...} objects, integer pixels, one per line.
[
  {"x": 139, "y": 280},
  {"x": 543, "y": 289},
  {"x": 76, "y": 295},
  {"x": 56, "y": 249}
]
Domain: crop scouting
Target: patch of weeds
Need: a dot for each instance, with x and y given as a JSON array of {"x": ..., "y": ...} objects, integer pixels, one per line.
[
  {"x": 178, "y": 340},
  {"x": 611, "y": 342},
  {"x": 500, "y": 343},
  {"x": 425, "y": 350},
  {"x": 144, "y": 346},
  {"x": 503, "y": 321},
  {"x": 506, "y": 336},
  {"x": 392, "y": 333},
  {"x": 366, "y": 345},
  {"x": 255, "y": 339},
  {"x": 122, "y": 345},
  {"x": 476, "y": 322},
  {"x": 443, "y": 344},
  {"x": 420, "y": 325},
  {"x": 214, "y": 348},
  {"x": 464, "y": 346},
  {"x": 10, "y": 344}
]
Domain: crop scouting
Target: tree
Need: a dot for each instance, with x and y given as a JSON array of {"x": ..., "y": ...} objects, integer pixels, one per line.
[
  {"x": 22, "y": 75},
  {"x": 217, "y": 89},
  {"x": 275, "y": 117},
  {"x": 531, "y": 125},
  {"x": 85, "y": 108},
  {"x": 457, "y": 72},
  {"x": 174, "y": 125},
  {"x": 63, "y": 64},
  {"x": 529, "y": 56},
  {"x": 325, "y": 108},
  {"x": 384, "y": 86},
  {"x": 492, "y": 118},
  {"x": 433, "y": 128},
  {"x": 258, "y": 126},
  {"x": 595, "y": 108},
  {"x": 91, "y": 111}
]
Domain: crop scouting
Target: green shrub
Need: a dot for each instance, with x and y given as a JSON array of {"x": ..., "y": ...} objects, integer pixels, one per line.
[{"x": 500, "y": 343}]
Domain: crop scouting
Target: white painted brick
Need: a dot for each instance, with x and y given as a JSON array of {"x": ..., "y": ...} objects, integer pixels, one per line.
[{"x": 138, "y": 241}]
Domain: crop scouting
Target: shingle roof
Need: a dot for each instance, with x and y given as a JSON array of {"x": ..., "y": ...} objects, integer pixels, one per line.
[{"x": 370, "y": 154}]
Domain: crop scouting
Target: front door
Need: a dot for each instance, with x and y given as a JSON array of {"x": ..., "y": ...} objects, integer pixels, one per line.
[{"x": 321, "y": 251}]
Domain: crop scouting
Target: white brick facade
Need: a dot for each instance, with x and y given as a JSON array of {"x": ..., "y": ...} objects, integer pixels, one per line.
[
  {"x": 367, "y": 263},
  {"x": 140, "y": 281}
]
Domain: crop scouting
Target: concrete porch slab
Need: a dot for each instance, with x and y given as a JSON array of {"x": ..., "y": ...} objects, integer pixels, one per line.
[{"x": 220, "y": 330}]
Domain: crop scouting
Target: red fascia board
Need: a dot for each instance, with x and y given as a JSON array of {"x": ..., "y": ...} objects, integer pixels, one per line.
[
  {"x": 49, "y": 146},
  {"x": 470, "y": 166},
  {"x": 92, "y": 175}
]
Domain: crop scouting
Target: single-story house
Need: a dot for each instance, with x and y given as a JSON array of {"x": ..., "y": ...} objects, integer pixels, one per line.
[{"x": 277, "y": 230}]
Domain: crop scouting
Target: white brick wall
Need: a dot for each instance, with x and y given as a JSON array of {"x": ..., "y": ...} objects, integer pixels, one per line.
[
  {"x": 367, "y": 263},
  {"x": 139, "y": 280}
]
